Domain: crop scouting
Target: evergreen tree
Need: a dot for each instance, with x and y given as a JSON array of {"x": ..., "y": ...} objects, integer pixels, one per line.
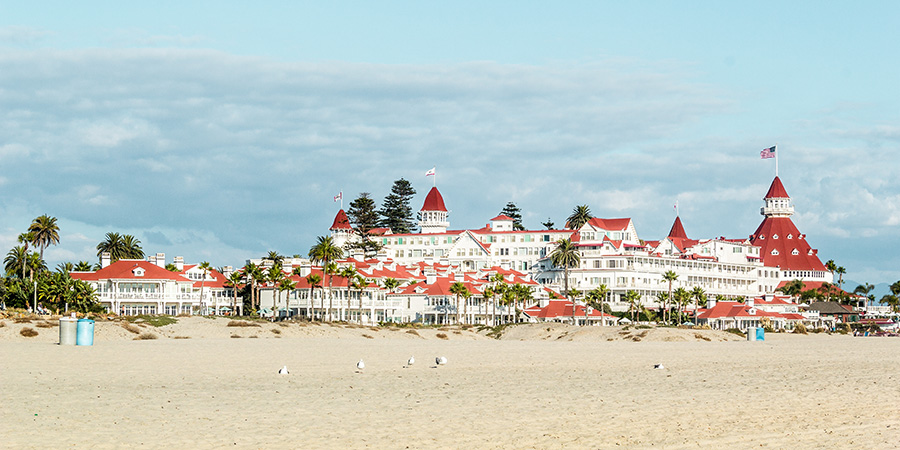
[
  {"x": 362, "y": 213},
  {"x": 515, "y": 213},
  {"x": 396, "y": 213},
  {"x": 548, "y": 224}
]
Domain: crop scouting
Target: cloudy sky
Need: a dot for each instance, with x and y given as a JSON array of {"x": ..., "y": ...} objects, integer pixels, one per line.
[{"x": 219, "y": 131}]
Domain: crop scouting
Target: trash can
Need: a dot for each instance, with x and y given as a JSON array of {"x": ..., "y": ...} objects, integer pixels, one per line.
[
  {"x": 85, "y": 332},
  {"x": 751, "y": 333},
  {"x": 68, "y": 327},
  {"x": 760, "y": 334}
]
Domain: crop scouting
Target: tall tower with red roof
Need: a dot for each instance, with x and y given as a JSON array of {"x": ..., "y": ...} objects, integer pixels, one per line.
[
  {"x": 781, "y": 243},
  {"x": 677, "y": 230},
  {"x": 433, "y": 215},
  {"x": 341, "y": 231}
]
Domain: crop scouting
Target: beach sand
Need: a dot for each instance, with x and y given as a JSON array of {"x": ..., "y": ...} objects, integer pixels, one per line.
[{"x": 539, "y": 386}]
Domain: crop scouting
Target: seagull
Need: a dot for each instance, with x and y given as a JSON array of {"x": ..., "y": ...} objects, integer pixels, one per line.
[
  {"x": 658, "y": 366},
  {"x": 412, "y": 360},
  {"x": 360, "y": 365},
  {"x": 283, "y": 370},
  {"x": 440, "y": 360}
]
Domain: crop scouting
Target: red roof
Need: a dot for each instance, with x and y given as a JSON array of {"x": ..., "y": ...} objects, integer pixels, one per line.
[
  {"x": 610, "y": 224},
  {"x": 677, "y": 230},
  {"x": 779, "y": 234},
  {"x": 125, "y": 268},
  {"x": 434, "y": 201},
  {"x": 776, "y": 190},
  {"x": 341, "y": 222},
  {"x": 734, "y": 309},
  {"x": 561, "y": 308},
  {"x": 502, "y": 217}
]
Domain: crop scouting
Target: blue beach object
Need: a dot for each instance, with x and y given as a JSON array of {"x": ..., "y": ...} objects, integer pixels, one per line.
[{"x": 85, "y": 333}]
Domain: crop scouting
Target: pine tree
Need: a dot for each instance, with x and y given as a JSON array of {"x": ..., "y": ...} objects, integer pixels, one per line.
[
  {"x": 396, "y": 213},
  {"x": 362, "y": 213},
  {"x": 548, "y": 224},
  {"x": 515, "y": 214}
]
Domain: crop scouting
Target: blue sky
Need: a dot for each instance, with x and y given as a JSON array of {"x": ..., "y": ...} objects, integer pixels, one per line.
[{"x": 220, "y": 131}]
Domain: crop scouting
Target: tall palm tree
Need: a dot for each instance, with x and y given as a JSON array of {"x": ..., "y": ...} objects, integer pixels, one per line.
[
  {"x": 580, "y": 216},
  {"x": 699, "y": 300},
  {"x": 324, "y": 252},
  {"x": 499, "y": 287},
  {"x": 45, "y": 232},
  {"x": 113, "y": 245},
  {"x": 234, "y": 280},
  {"x": 314, "y": 281},
  {"x": 25, "y": 239},
  {"x": 523, "y": 294},
  {"x": 566, "y": 255},
  {"x": 204, "y": 270},
  {"x": 792, "y": 288},
  {"x": 132, "y": 247},
  {"x": 286, "y": 284},
  {"x": 488, "y": 293},
  {"x": 508, "y": 298},
  {"x": 891, "y": 300},
  {"x": 466, "y": 295},
  {"x": 682, "y": 297},
  {"x": 16, "y": 258},
  {"x": 632, "y": 298},
  {"x": 840, "y": 271},
  {"x": 360, "y": 283},
  {"x": 274, "y": 276},
  {"x": 457, "y": 289},
  {"x": 274, "y": 257},
  {"x": 831, "y": 267},
  {"x": 596, "y": 297},
  {"x": 82, "y": 266},
  {"x": 865, "y": 291},
  {"x": 348, "y": 272},
  {"x": 65, "y": 267},
  {"x": 669, "y": 276}
]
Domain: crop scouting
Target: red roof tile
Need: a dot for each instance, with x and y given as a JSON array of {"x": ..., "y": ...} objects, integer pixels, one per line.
[
  {"x": 434, "y": 201},
  {"x": 677, "y": 230},
  {"x": 341, "y": 222},
  {"x": 783, "y": 227},
  {"x": 776, "y": 190}
]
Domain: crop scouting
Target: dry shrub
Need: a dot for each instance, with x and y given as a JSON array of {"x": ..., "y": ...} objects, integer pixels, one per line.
[
  {"x": 145, "y": 337},
  {"x": 442, "y": 336},
  {"x": 367, "y": 336},
  {"x": 28, "y": 332},
  {"x": 46, "y": 324},
  {"x": 284, "y": 324},
  {"x": 800, "y": 329},
  {"x": 275, "y": 330},
  {"x": 443, "y": 329},
  {"x": 700, "y": 336},
  {"x": 183, "y": 315},
  {"x": 242, "y": 323},
  {"x": 181, "y": 337},
  {"x": 413, "y": 332},
  {"x": 22, "y": 320},
  {"x": 132, "y": 328},
  {"x": 236, "y": 336},
  {"x": 457, "y": 332},
  {"x": 2, "y": 324},
  {"x": 636, "y": 339},
  {"x": 254, "y": 337}
]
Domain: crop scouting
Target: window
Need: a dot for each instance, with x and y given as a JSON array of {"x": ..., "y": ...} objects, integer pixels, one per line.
[
  {"x": 774, "y": 252},
  {"x": 737, "y": 250},
  {"x": 795, "y": 252},
  {"x": 774, "y": 236}
]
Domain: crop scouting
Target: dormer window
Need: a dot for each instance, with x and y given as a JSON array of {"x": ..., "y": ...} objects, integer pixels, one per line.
[
  {"x": 762, "y": 236},
  {"x": 790, "y": 236},
  {"x": 774, "y": 252},
  {"x": 774, "y": 236},
  {"x": 795, "y": 252},
  {"x": 138, "y": 271}
]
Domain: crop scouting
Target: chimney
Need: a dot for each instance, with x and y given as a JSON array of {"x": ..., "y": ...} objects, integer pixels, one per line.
[
  {"x": 161, "y": 260},
  {"x": 750, "y": 302},
  {"x": 179, "y": 263},
  {"x": 227, "y": 271},
  {"x": 430, "y": 278},
  {"x": 105, "y": 258}
]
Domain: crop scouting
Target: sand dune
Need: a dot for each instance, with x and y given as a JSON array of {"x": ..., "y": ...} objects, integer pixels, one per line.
[{"x": 533, "y": 388}]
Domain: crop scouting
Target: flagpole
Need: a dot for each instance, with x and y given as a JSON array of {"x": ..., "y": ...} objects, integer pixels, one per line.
[
  {"x": 434, "y": 178},
  {"x": 776, "y": 160}
]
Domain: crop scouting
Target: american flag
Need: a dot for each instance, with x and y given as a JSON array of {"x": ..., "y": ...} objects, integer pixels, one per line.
[{"x": 767, "y": 153}]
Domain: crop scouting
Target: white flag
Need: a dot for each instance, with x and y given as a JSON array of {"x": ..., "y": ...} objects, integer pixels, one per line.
[
  {"x": 340, "y": 196},
  {"x": 430, "y": 173}
]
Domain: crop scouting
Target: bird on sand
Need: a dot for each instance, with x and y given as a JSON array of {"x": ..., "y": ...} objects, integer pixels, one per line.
[
  {"x": 360, "y": 365},
  {"x": 283, "y": 370},
  {"x": 440, "y": 360},
  {"x": 412, "y": 360}
]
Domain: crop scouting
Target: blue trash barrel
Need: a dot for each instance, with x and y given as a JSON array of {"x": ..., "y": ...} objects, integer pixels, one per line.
[
  {"x": 85, "y": 332},
  {"x": 760, "y": 334},
  {"x": 67, "y": 330}
]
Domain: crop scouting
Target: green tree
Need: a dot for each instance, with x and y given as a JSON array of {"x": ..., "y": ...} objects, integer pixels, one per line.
[
  {"x": 499, "y": 287},
  {"x": 682, "y": 297},
  {"x": 285, "y": 283},
  {"x": 348, "y": 272},
  {"x": 514, "y": 213},
  {"x": 865, "y": 291},
  {"x": 457, "y": 289},
  {"x": 204, "y": 271},
  {"x": 362, "y": 213},
  {"x": 82, "y": 266},
  {"x": 396, "y": 212},
  {"x": 699, "y": 296},
  {"x": 234, "y": 280},
  {"x": 669, "y": 276},
  {"x": 324, "y": 252},
  {"x": 566, "y": 255},
  {"x": 792, "y": 288},
  {"x": 892, "y": 301},
  {"x": 132, "y": 246},
  {"x": 314, "y": 281},
  {"x": 172, "y": 268},
  {"x": 580, "y": 216},
  {"x": 633, "y": 299},
  {"x": 44, "y": 232},
  {"x": 120, "y": 247},
  {"x": 548, "y": 224},
  {"x": 840, "y": 271},
  {"x": 25, "y": 239},
  {"x": 595, "y": 299}
]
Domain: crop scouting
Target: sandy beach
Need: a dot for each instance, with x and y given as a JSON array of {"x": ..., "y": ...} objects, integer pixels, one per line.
[{"x": 539, "y": 386}]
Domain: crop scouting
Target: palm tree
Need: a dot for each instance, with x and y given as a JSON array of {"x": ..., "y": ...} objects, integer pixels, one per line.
[
  {"x": 457, "y": 289},
  {"x": 669, "y": 276},
  {"x": 234, "y": 280},
  {"x": 16, "y": 258},
  {"x": 314, "y": 281},
  {"x": 840, "y": 271},
  {"x": 274, "y": 257},
  {"x": 524, "y": 294},
  {"x": 507, "y": 298},
  {"x": 891, "y": 300},
  {"x": 466, "y": 295},
  {"x": 253, "y": 274},
  {"x": 348, "y": 272},
  {"x": 596, "y": 297},
  {"x": 25, "y": 239},
  {"x": 632, "y": 298},
  {"x": 324, "y": 252},
  {"x": 499, "y": 287},
  {"x": 45, "y": 232},
  {"x": 488, "y": 293},
  {"x": 113, "y": 245},
  {"x": 865, "y": 290},
  {"x": 682, "y": 297},
  {"x": 286, "y": 284},
  {"x": 580, "y": 216},
  {"x": 699, "y": 300},
  {"x": 792, "y": 288},
  {"x": 566, "y": 255},
  {"x": 204, "y": 269},
  {"x": 65, "y": 267},
  {"x": 132, "y": 247},
  {"x": 831, "y": 267},
  {"x": 82, "y": 266},
  {"x": 360, "y": 283}
]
